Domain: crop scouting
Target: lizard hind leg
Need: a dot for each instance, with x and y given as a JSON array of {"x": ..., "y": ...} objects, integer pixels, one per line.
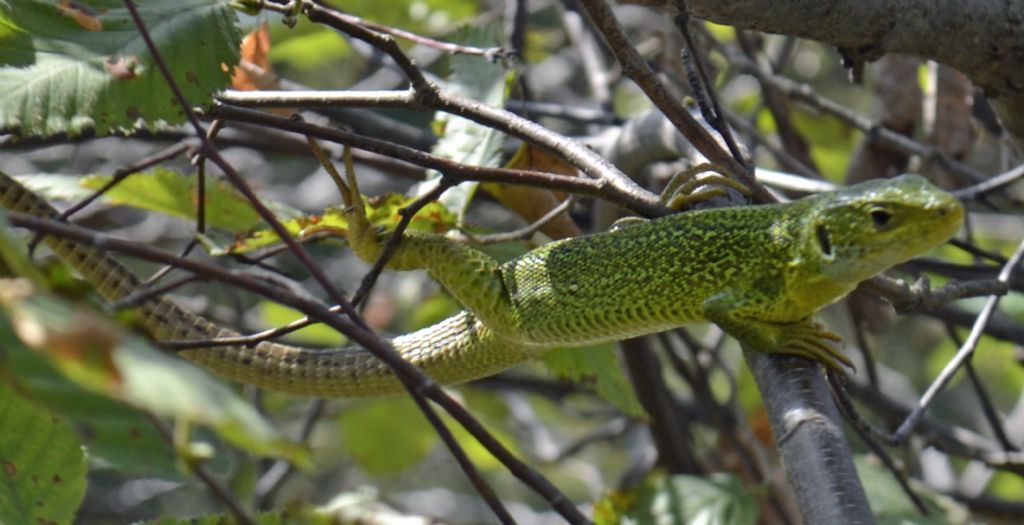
[
  {"x": 362, "y": 236},
  {"x": 471, "y": 275}
]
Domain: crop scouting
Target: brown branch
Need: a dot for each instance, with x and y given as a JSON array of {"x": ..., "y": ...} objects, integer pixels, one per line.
[
  {"x": 636, "y": 68},
  {"x": 919, "y": 296},
  {"x": 490, "y": 53},
  {"x": 644, "y": 203}
]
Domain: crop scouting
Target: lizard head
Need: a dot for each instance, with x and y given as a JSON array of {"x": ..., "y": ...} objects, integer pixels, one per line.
[{"x": 859, "y": 231}]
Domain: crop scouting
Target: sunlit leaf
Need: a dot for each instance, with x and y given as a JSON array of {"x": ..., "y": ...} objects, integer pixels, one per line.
[
  {"x": 308, "y": 48},
  {"x": 382, "y": 211},
  {"x": 600, "y": 366},
  {"x": 1007, "y": 485},
  {"x": 275, "y": 314},
  {"x": 176, "y": 194},
  {"x": 534, "y": 203},
  {"x": 100, "y": 357},
  {"x": 415, "y": 15},
  {"x": 55, "y": 187},
  {"x": 718, "y": 499},
  {"x": 433, "y": 309},
  {"x": 833, "y": 142},
  {"x": 65, "y": 68},
  {"x": 463, "y": 140},
  {"x": 386, "y": 436}
]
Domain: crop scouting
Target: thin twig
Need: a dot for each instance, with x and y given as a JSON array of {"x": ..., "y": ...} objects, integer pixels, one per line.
[
  {"x": 644, "y": 203},
  {"x": 274, "y": 476},
  {"x": 429, "y": 96},
  {"x": 987, "y": 406},
  {"x": 863, "y": 430},
  {"x": 115, "y": 179},
  {"x": 951, "y": 440},
  {"x": 219, "y": 491},
  {"x": 163, "y": 271},
  {"x": 637, "y": 69},
  {"x": 526, "y": 231},
  {"x": 920, "y": 296},
  {"x": 490, "y": 53},
  {"x": 210, "y": 151},
  {"x": 992, "y": 184},
  {"x": 963, "y": 354},
  {"x": 701, "y": 87},
  {"x": 144, "y": 294},
  {"x": 874, "y": 130}
]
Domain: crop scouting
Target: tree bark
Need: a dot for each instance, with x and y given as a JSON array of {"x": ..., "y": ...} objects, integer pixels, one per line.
[{"x": 984, "y": 39}]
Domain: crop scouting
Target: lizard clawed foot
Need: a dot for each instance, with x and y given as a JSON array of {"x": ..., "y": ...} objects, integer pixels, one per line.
[
  {"x": 362, "y": 236},
  {"x": 812, "y": 340},
  {"x": 686, "y": 189}
]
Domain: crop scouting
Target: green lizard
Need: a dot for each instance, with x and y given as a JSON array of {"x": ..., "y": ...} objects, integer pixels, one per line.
[{"x": 759, "y": 272}]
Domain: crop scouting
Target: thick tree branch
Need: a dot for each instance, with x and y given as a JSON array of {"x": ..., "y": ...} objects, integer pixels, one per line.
[{"x": 988, "y": 36}]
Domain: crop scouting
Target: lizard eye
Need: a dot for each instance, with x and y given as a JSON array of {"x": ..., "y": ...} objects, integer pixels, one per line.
[
  {"x": 823, "y": 239},
  {"x": 880, "y": 217}
]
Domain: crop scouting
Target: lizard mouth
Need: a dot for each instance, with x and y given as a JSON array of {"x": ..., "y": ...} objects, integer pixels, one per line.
[{"x": 946, "y": 218}]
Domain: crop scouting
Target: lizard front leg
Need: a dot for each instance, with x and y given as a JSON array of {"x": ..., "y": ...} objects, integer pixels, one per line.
[{"x": 740, "y": 313}]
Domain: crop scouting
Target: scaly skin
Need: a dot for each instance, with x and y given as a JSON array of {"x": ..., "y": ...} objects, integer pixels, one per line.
[{"x": 758, "y": 272}]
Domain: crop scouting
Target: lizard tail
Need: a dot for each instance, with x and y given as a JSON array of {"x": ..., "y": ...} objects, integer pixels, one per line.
[{"x": 455, "y": 350}]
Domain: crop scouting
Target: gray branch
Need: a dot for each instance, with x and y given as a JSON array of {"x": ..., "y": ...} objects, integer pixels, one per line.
[{"x": 984, "y": 39}]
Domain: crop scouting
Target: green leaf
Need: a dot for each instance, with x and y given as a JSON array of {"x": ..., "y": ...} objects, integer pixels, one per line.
[
  {"x": 273, "y": 314},
  {"x": 14, "y": 259},
  {"x": 175, "y": 194},
  {"x": 600, "y": 366},
  {"x": 114, "y": 434},
  {"x": 55, "y": 187},
  {"x": 102, "y": 358},
  {"x": 308, "y": 47},
  {"x": 463, "y": 140},
  {"x": 381, "y": 211},
  {"x": 359, "y": 506},
  {"x": 66, "y": 69},
  {"x": 891, "y": 505},
  {"x": 718, "y": 499},
  {"x": 42, "y": 467},
  {"x": 833, "y": 142},
  {"x": 386, "y": 436},
  {"x": 283, "y": 517},
  {"x": 428, "y": 16}
]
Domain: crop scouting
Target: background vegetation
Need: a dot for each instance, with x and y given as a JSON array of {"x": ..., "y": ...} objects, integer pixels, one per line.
[{"x": 98, "y": 426}]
